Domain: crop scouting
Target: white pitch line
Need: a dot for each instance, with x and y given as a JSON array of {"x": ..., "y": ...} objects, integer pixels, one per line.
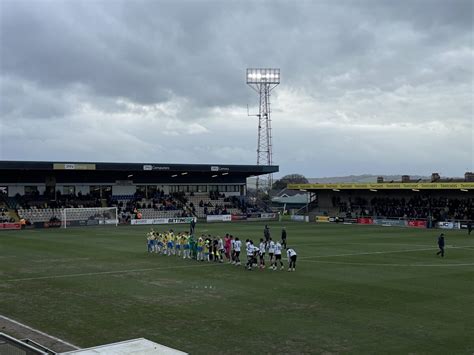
[
  {"x": 106, "y": 272},
  {"x": 368, "y": 253},
  {"x": 40, "y": 332},
  {"x": 380, "y": 252},
  {"x": 194, "y": 266},
  {"x": 380, "y": 264},
  {"x": 383, "y": 243}
]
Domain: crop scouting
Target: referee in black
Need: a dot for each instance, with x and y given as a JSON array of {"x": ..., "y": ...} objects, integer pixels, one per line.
[
  {"x": 441, "y": 245},
  {"x": 283, "y": 237}
]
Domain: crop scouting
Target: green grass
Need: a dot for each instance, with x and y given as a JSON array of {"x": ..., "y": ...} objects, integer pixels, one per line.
[{"x": 394, "y": 297}]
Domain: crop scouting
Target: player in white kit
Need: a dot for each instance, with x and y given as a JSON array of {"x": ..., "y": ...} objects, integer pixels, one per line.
[
  {"x": 237, "y": 247},
  {"x": 262, "y": 253},
  {"x": 291, "y": 254},
  {"x": 278, "y": 256}
]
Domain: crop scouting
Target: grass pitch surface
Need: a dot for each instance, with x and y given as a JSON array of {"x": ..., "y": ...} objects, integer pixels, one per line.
[{"x": 357, "y": 289}]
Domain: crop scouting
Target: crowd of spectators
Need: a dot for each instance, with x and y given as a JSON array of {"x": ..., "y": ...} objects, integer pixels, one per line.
[
  {"x": 59, "y": 201},
  {"x": 5, "y": 216},
  {"x": 130, "y": 207},
  {"x": 422, "y": 207}
]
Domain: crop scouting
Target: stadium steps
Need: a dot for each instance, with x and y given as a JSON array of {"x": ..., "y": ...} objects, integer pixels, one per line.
[
  {"x": 330, "y": 211},
  {"x": 14, "y": 215}
]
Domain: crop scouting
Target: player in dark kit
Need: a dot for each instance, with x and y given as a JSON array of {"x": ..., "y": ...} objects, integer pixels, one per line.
[
  {"x": 266, "y": 234},
  {"x": 469, "y": 228},
  {"x": 283, "y": 237},
  {"x": 441, "y": 245}
]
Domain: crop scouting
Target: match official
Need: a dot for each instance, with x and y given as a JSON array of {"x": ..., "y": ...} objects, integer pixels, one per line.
[
  {"x": 441, "y": 245},
  {"x": 283, "y": 237}
]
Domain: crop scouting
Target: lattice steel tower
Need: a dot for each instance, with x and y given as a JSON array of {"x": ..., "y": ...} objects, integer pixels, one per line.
[{"x": 263, "y": 81}]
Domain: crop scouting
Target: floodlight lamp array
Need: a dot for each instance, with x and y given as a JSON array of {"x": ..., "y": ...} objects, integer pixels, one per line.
[{"x": 262, "y": 75}]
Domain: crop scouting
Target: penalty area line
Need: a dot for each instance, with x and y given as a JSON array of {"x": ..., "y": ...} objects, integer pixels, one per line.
[{"x": 39, "y": 332}]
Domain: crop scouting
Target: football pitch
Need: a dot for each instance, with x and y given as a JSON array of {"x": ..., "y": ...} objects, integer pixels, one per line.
[{"x": 356, "y": 289}]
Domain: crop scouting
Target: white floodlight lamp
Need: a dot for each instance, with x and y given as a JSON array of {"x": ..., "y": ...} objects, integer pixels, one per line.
[{"x": 262, "y": 75}]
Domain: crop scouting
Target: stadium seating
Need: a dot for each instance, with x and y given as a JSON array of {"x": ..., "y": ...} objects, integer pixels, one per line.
[
  {"x": 440, "y": 208},
  {"x": 41, "y": 209},
  {"x": 150, "y": 213},
  {"x": 35, "y": 214},
  {"x": 203, "y": 205},
  {"x": 123, "y": 197}
]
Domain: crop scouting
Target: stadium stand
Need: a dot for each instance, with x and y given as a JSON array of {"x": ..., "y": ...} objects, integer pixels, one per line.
[
  {"x": 441, "y": 208},
  {"x": 38, "y": 191}
]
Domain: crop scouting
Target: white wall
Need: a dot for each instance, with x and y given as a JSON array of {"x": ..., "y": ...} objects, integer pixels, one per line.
[
  {"x": 83, "y": 189},
  {"x": 16, "y": 189},
  {"x": 41, "y": 189},
  {"x": 123, "y": 190}
]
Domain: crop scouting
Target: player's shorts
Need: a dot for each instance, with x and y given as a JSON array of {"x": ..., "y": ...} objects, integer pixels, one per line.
[
  {"x": 170, "y": 244},
  {"x": 199, "y": 249},
  {"x": 178, "y": 246},
  {"x": 262, "y": 255},
  {"x": 278, "y": 257},
  {"x": 160, "y": 244},
  {"x": 186, "y": 246},
  {"x": 271, "y": 255}
]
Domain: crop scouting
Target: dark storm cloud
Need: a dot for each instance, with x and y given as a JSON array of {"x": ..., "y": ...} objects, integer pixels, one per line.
[{"x": 145, "y": 50}]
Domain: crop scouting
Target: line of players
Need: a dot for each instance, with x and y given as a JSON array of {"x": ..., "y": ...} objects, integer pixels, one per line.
[{"x": 217, "y": 249}]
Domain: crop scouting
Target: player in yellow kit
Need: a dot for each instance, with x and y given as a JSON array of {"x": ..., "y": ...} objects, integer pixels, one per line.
[
  {"x": 186, "y": 246},
  {"x": 200, "y": 248},
  {"x": 206, "y": 249},
  {"x": 177, "y": 244},
  {"x": 171, "y": 243},
  {"x": 164, "y": 239}
]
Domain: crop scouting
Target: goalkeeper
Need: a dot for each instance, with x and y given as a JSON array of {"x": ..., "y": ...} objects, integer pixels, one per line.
[{"x": 149, "y": 244}]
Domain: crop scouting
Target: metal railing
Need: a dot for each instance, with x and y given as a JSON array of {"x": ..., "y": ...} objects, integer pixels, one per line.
[{"x": 12, "y": 346}]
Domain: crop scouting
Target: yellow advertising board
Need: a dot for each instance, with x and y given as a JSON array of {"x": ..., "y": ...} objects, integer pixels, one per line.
[
  {"x": 324, "y": 219},
  {"x": 73, "y": 166},
  {"x": 386, "y": 186}
]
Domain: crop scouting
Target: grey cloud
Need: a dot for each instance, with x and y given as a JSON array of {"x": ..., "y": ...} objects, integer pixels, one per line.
[
  {"x": 351, "y": 62},
  {"x": 143, "y": 50}
]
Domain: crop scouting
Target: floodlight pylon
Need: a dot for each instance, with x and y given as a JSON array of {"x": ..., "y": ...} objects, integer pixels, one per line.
[{"x": 263, "y": 81}]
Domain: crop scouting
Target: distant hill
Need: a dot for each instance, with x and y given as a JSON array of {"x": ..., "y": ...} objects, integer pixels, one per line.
[
  {"x": 361, "y": 178},
  {"x": 365, "y": 178}
]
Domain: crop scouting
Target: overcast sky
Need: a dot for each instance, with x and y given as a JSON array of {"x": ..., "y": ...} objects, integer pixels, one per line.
[{"x": 382, "y": 87}]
